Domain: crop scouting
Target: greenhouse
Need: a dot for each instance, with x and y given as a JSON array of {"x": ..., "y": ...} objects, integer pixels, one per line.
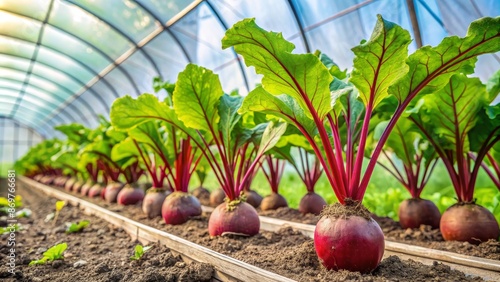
[{"x": 239, "y": 140}]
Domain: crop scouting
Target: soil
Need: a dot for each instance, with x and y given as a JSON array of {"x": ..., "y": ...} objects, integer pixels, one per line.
[
  {"x": 101, "y": 252},
  {"x": 424, "y": 236},
  {"x": 289, "y": 253}
]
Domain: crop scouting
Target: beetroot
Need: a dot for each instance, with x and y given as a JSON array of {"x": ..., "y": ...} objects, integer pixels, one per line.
[
  {"x": 273, "y": 202},
  {"x": 235, "y": 217},
  {"x": 153, "y": 201},
  {"x": 312, "y": 203},
  {"x": 217, "y": 197},
  {"x": 38, "y": 177},
  {"x": 95, "y": 190},
  {"x": 47, "y": 179},
  {"x": 130, "y": 195},
  {"x": 178, "y": 207},
  {"x": 253, "y": 198},
  {"x": 202, "y": 194},
  {"x": 112, "y": 190},
  {"x": 468, "y": 222},
  {"x": 77, "y": 186},
  {"x": 86, "y": 187},
  {"x": 346, "y": 237},
  {"x": 415, "y": 212},
  {"x": 68, "y": 186}
]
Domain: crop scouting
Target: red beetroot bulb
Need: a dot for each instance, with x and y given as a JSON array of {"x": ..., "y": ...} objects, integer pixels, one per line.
[
  {"x": 112, "y": 190},
  {"x": 68, "y": 186},
  {"x": 253, "y": 198},
  {"x": 344, "y": 240},
  {"x": 312, "y": 203},
  {"x": 273, "y": 202},
  {"x": 235, "y": 217},
  {"x": 84, "y": 191},
  {"x": 153, "y": 201},
  {"x": 202, "y": 194},
  {"x": 468, "y": 222},
  {"x": 178, "y": 207},
  {"x": 130, "y": 195},
  {"x": 95, "y": 190},
  {"x": 217, "y": 197},
  {"x": 415, "y": 212}
]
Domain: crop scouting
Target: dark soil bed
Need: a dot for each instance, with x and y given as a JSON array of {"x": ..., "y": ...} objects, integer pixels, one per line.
[
  {"x": 424, "y": 236},
  {"x": 100, "y": 253},
  {"x": 289, "y": 253}
]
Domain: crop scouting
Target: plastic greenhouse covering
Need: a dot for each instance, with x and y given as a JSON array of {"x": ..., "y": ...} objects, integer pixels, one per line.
[{"x": 64, "y": 61}]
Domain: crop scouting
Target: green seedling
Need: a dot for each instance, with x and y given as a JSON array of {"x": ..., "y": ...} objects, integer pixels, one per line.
[
  {"x": 8, "y": 229},
  {"x": 23, "y": 213},
  {"x": 54, "y": 253},
  {"x": 139, "y": 252},
  {"x": 77, "y": 227},
  {"x": 59, "y": 206},
  {"x": 18, "y": 202}
]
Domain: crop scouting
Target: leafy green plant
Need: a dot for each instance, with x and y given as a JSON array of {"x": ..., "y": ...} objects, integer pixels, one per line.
[
  {"x": 54, "y": 253},
  {"x": 139, "y": 251},
  {"x": 77, "y": 227},
  {"x": 8, "y": 229}
]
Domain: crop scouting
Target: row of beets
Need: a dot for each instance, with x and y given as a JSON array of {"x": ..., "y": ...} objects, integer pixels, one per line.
[{"x": 391, "y": 101}]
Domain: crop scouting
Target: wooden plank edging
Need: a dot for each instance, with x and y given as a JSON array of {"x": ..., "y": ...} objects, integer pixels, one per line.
[
  {"x": 274, "y": 224},
  {"x": 224, "y": 265}
]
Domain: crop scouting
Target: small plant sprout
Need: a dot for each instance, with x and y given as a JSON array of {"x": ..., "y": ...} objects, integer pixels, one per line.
[
  {"x": 139, "y": 251},
  {"x": 77, "y": 227},
  {"x": 52, "y": 254},
  {"x": 59, "y": 206}
]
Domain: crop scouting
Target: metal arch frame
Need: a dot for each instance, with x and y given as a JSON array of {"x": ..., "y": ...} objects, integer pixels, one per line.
[
  {"x": 85, "y": 42},
  {"x": 51, "y": 81},
  {"x": 123, "y": 34},
  {"x": 33, "y": 60},
  {"x": 66, "y": 112},
  {"x": 167, "y": 29},
  {"x": 299, "y": 24},
  {"x": 70, "y": 117},
  {"x": 78, "y": 62},
  {"x": 17, "y": 123},
  {"x": 124, "y": 56},
  {"x": 29, "y": 109},
  {"x": 224, "y": 25},
  {"x": 97, "y": 96}
]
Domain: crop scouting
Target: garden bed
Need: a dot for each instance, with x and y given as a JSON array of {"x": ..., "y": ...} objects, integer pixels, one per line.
[
  {"x": 101, "y": 252},
  {"x": 424, "y": 236},
  {"x": 288, "y": 252}
]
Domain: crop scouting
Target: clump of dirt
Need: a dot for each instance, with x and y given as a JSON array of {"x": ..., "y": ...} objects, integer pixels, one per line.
[
  {"x": 290, "y": 214},
  {"x": 350, "y": 208}
]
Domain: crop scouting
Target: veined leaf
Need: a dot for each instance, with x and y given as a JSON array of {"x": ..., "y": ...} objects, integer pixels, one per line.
[
  {"x": 271, "y": 136},
  {"x": 380, "y": 61},
  {"x": 432, "y": 67},
  {"x": 303, "y": 77},
  {"x": 453, "y": 111},
  {"x": 229, "y": 117},
  {"x": 282, "y": 106},
  {"x": 493, "y": 86},
  {"x": 148, "y": 134},
  {"x": 196, "y": 98},
  {"x": 401, "y": 140},
  {"x": 127, "y": 112}
]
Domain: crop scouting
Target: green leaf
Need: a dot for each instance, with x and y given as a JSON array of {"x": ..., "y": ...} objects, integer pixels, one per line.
[
  {"x": 56, "y": 252},
  {"x": 196, "y": 98},
  {"x": 139, "y": 251},
  {"x": 303, "y": 77},
  {"x": 271, "y": 136},
  {"x": 282, "y": 106},
  {"x": 125, "y": 152},
  {"x": 77, "y": 227},
  {"x": 148, "y": 134},
  {"x": 452, "y": 112},
  {"x": 380, "y": 61},
  {"x": 127, "y": 113},
  {"x": 493, "y": 86},
  {"x": 229, "y": 117},
  {"x": 401, "y": 140},
  {"x": 432, "y": 67}
]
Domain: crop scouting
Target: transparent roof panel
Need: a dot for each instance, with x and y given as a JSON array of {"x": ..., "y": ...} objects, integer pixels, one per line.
[
  {"x": 127, "y": 15},
  {"x": 71, "y": 18},
  {"x": 201, "y": 32},
  {"x": 97, "y": 106},
  {"x": 8, "y": 94},
  {"x": 5, "y": 108},
  {"x": 167, "y": 54},
  {"x": 14, "y": 62},
  {"x": 29, "y": 8},
  {"x": 141, "y": 71},
  {"x": 74, "y": 48},
  {"x": 58, "y": 76},
  {"x": 271, "y": 15},
  {"x": 16, "y": 47},
  {"x": 165, "y": 10},
  {"x": 231, "y": 78},
  {"x": 64, "y": 65},
  {"x": 10, "y": 84},
  {"x": 19, "y": 26},
  {"x": 122, "y": 84}
]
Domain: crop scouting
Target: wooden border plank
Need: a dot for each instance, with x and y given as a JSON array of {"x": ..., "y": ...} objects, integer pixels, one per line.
[{"x": 228, "y": 269}]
